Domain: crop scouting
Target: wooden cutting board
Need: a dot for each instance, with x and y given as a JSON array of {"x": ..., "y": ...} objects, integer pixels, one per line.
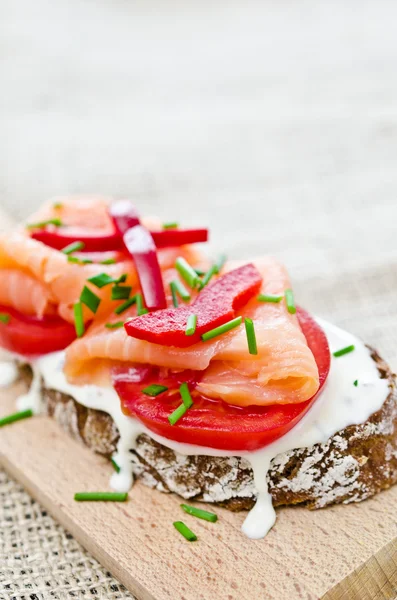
[
  {"x": 340, "y": 552},
  {"x": 344, "y": 551}
]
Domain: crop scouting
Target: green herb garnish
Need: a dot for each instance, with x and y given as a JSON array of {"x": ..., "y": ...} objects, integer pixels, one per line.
[
  {"x": 171, "y": 225},
  {"x": 101, "y": 280},
  {"x": 154, "y": 390},
  {"x": 79, "y": 261},
  {"x": 343, "y": 351},
  {"x": 108, "y": 261},
  {"x": 251, "y": 337},
  {"x": 78, "y": 319},
  {"x": 221, "y": 329},
  {"x": 125, "y": 305},
  {"x": 91, "y": 300},
  {"x": 220, "y": 263},
  {"x": 17, "y": 416},
  {"x": 174, "y": 417},
  {"x": 5, "y": 318},
  {"x": 191, "y": 325},
  {"x": 269, "y": 298},
  {"x": 121, "y": 292},
  {"x": 174, "y": 296},
  {"x": 140, "y": 308},
  {"x": 199, "y": 513},
  {"x": 208, "y": 276},
  {"x": 100, "y": 497},
  {"x": 181, "y": 290},
  {"x": 117, "y": 325},
  {"x": 73, "y": 247},
  {"x": 115, "y": 465},
  {"x": 355, "y": 383},
  {"x": 187, "y": 273},
  {"x": 290, "y": 301},
  {"x": 41, "y": 224},
  {"x": 185, "y": 393},
  {"x": 185, "y": 531},
  {"x": 200, "y": 272}
]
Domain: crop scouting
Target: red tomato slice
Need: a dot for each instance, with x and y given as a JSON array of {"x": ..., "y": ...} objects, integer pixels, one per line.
[
  {"x": 214, "y": 423},
  {"x": 31, "y": 336}
]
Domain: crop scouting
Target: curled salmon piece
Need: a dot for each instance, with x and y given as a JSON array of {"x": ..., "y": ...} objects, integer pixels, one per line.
[
  {"x": 283, "y": 372},
  {"x": 39, "y": 280}
]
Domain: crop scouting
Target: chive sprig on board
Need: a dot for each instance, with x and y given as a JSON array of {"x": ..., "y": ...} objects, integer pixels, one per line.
[
  {"x": 209, "y": 335},
  {"x": 17, "y": 416}
]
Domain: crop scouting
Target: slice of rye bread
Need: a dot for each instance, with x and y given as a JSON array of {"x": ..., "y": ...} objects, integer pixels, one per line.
[{"x": 352, "y": 465}]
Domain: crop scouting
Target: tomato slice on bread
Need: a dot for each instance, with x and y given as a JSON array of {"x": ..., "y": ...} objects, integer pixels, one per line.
[
  {"x": 213, "y": 423},
  {"x": 31, "y": 336}
]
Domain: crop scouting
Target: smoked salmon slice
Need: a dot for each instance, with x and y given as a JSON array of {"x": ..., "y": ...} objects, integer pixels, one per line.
[
  {"x": 39, "y": 280},
  {"x": 283, "y": 372}
]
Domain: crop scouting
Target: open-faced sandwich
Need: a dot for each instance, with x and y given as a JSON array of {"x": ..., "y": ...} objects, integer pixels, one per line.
[{"x": 203, "y": 379}]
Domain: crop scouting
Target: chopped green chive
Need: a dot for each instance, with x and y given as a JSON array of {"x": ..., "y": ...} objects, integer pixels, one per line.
[
  {"x": 185, "y": 393},
  {"x": 187, "y": 273},
  {"x": 199, "y": 513},
  {"x": 140, "y": 308},
  {"x": 78, "y": 319},
  {"x": 200, "y": 272},
  {"x": 108, "y": 261},
  {"x": 177, "y": 414},
  {"x": 5, "y": 318},
  {"x": 269, "y": 298},
  {"x": 181, "y": 290},
  {"x": 74, "y": 247},
  {"x": 208, "y": 276},
  {"x": 251, "y": 337},
  {"x": 79, "y": 261},
  {"x": 174, "y": 296},
  {"x": 121, "y": 279},
  {"x": 17, "y": 416},
  {"x": 191, "y": 325},
  {"x": 154, "y": 390},
  {"x": 115, "y": 465},
  {"x": 343, "y": 351},
  {"x": 355, "y": 382},
  {"x": 171, "y": 225},
  {"x": 117, "y": 325},
  {"x": 121, "y": 292},
  {"x": 185, "y": 531},
  {"x": 90, "y": 299},
  {"x": 101, "y": 280},
  {"x": 290, "y": 302},
  {"x": 100, "y": 497},
  {"x": 41, "y": 224},
  {"x": 220, "y": 263},
  {"x": 221, "y": 329},
  {"x": 123, "y": 307}
]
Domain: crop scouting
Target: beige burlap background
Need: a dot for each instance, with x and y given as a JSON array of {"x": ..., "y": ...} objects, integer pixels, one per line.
[{"x": 273, "y": 123}]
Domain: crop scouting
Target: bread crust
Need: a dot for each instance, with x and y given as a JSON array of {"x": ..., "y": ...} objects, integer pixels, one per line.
[{"x": 354, "y": 464}]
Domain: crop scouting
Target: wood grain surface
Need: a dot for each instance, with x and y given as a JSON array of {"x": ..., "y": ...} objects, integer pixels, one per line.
[{"x": 305, "y": 556}]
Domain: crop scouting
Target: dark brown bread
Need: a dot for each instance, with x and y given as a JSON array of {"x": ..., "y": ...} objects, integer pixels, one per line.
[{"x": 353, "y": 465}]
